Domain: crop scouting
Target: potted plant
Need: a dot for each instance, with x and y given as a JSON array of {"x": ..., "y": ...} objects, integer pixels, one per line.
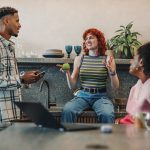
[{"x": 125, "y": 41}]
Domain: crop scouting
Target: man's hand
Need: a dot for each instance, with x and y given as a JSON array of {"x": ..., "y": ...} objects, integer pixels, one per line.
[{"x": 31, "y": 77}]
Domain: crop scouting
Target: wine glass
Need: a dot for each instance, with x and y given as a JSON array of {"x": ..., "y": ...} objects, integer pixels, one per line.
[
  {"x": 68, "y": 50},
  {"x": 77, "y": 49},
  {"x": 147, "y": 121}
]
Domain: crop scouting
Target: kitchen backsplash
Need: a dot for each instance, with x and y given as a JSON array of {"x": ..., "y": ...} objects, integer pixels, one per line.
[{"x": 53, "y": 87}]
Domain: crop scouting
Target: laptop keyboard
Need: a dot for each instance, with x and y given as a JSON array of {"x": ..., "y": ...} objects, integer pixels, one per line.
[{"x": 74, "y": 127}]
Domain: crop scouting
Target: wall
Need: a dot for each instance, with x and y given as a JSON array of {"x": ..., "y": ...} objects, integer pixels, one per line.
[{"x": 55, "y": 23}]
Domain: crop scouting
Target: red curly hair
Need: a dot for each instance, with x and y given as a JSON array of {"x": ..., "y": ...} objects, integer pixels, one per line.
[{"x": 101, "y": 41}]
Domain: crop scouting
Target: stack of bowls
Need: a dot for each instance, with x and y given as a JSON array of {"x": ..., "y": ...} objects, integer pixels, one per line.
[{"x": 53, "y": 53}]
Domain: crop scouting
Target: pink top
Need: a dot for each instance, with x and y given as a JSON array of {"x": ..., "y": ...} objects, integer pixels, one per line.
[{"x": 139, "y": 98}]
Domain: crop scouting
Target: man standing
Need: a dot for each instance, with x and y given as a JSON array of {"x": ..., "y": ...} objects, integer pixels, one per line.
[{"x": 9, "y": 77}]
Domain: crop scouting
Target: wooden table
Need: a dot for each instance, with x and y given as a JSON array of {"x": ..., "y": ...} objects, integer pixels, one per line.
[{"x": 26, "y": 136}]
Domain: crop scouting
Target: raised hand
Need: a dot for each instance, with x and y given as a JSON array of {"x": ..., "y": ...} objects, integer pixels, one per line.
[
  {"x": 65, "y": 67},
  {"x": 110, "y": 63}
]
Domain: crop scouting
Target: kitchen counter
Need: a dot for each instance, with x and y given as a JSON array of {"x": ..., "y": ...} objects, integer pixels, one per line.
[
  {"x": 58, "y": 88},
  {"x": 26, "y": 136},
  {"x": 60, "y": 60}
]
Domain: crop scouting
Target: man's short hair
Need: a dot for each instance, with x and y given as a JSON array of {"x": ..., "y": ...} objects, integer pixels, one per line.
[{"x": 4, "y": 11}]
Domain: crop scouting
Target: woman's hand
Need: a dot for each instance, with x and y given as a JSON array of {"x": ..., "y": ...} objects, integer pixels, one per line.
[
  {"x": 64, "y": 68},
  {"x": 110, "y": 64}
]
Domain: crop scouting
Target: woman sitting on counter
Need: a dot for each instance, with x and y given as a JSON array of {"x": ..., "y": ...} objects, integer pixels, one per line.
[
  {"x": 139, "y": 97},
  {"x": 93, "y": 72}
]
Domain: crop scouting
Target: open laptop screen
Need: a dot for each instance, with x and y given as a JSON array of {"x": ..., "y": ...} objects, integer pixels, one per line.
[
  {"x": 42, "y": 117},
  {"x": 38, "y": 114}
]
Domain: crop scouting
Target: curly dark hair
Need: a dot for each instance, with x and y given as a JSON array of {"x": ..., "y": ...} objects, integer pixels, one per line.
[
  {"x": 4, "y": 11},
  {"x": 144, "y": 54},
  {"x": 101, "y": 41}
]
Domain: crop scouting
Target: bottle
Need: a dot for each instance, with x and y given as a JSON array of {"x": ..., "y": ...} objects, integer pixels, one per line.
[{"x": 147, "y": 121}]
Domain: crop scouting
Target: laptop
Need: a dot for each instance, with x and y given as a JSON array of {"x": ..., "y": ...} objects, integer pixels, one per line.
[
  {"x": 43, "y": 118},
  {"x": 4, "y": 125}
]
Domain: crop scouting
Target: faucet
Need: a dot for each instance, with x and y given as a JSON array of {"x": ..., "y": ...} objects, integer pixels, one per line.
[{"x": 49, "y": 103}]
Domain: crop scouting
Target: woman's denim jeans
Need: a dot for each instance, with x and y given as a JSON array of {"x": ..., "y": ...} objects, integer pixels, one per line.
[{"x": 99, "y": 102}]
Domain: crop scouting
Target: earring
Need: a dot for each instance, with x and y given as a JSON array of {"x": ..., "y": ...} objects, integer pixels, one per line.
[
  {"x": 137, "y": 68},
  {"x": 142, "y": 69}
]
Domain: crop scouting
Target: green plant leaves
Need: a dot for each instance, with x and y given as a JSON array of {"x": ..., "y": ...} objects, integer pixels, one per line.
[
  {"x": 129, "y": 26},
  {"x": 129, "y": 38},
  {"x": 132, "y": 50},
  {"x": 119, "y": 30},
  {"x": 125, "y": 40},
  {"x": 125, "y": 51}
]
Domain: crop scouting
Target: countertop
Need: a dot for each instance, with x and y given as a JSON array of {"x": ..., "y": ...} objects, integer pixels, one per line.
[
  {"x": 26, "y": 136},
  {"x": 61, "y": 60}
]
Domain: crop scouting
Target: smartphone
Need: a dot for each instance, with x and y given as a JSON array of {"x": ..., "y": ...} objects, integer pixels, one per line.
[{"x": 41, "y": 74}]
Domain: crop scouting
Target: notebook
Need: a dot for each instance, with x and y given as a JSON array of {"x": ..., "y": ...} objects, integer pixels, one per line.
[{"x": 43, "y": 118}]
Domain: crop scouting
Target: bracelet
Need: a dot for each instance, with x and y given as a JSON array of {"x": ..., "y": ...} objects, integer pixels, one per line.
[{"x": 112, "y": 73}]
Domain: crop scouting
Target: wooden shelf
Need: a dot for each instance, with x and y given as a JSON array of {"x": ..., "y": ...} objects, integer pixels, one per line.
[{"x": 62, "y": 60}]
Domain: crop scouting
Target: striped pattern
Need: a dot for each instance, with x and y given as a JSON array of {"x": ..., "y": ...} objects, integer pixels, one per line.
[
  {"x": 9, "y": 82},
  {"x": 93, "y": 73}
]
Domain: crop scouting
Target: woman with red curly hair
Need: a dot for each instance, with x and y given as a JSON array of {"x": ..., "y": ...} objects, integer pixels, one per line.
[
  {"x": 92, "y": 72},
  {"x": 100, "y": 38}
]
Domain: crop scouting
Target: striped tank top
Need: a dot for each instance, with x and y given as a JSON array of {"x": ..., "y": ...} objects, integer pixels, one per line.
[{"x": 93, "y": 73}]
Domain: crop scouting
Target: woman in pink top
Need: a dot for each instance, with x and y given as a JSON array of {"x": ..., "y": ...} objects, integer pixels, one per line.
[{"x": 139, "y": 97}]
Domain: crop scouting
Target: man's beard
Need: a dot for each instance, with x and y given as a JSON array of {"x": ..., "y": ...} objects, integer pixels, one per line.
[
  {"x": 15, "y": 35},
  {"x": 12, "y": 33}
]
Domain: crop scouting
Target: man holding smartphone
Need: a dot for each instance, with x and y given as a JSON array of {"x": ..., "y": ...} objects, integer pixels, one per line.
[{"x": 10, "y": 81}]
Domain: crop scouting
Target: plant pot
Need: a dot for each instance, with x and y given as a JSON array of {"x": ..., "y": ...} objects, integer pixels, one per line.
[
  {"x": 126, "y": 56},
  {"x": 117, "y": 55}
]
